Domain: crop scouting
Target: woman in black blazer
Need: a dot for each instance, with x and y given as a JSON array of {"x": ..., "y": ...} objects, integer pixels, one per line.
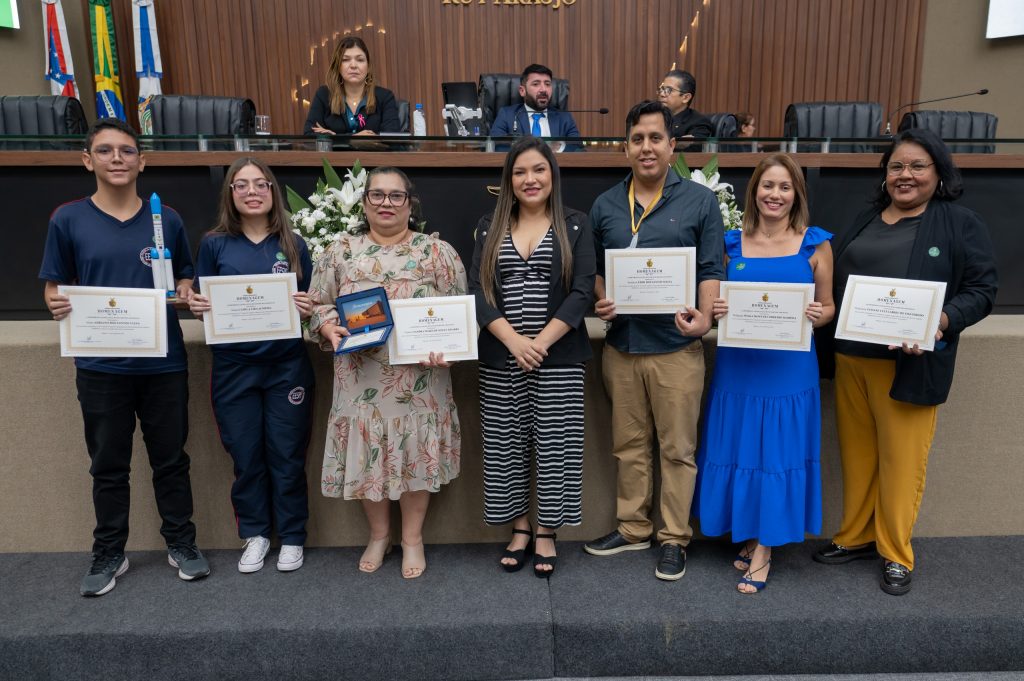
[
  {"x": 350, "y": 104},
  {"x": 887, "y": 397},
  {"x": 533, "y": 278}
]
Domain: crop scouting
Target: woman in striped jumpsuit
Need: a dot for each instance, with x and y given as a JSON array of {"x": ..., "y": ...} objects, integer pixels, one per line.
[{"x": 533, "y": 278}]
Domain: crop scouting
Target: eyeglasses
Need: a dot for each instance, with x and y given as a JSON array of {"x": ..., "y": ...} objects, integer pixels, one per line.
[
  {"x": 917, "y": 168},
  {"x": 668, "y": 89},
  {"x": 105, "y": 153},
  {"x": 258, "y": 186},
  {"x": 376, "y": 198}
]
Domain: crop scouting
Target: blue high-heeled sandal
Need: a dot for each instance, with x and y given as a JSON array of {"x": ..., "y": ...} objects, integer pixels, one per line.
[{"x": 760, "y": 586}]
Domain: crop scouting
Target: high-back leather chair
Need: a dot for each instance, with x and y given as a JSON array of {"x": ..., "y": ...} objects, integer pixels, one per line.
[
  {"x": 834, "y": 119},
  {"x": 403, "y": 114},
  {"x": 203, "y": 115},
  {"x": 502, "y": 89},
  {"x": 949, "y": 125},
  {"x": 40, "y": 115},
  {"x": 724, "y": 124}
]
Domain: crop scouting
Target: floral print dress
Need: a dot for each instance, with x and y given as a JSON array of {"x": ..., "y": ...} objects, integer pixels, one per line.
[{"x": 392, "y": 429}]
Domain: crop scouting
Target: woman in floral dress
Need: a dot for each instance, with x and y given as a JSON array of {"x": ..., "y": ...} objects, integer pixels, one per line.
[{"x": 393, "y": 431}]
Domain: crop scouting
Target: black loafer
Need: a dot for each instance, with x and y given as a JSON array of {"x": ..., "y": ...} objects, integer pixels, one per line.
[
  {"x": 672, "y": 565},
  {"x": 834, "y": 554},
  {"x": 613, "y": 543},
  {"x": 895, "y": 578}
]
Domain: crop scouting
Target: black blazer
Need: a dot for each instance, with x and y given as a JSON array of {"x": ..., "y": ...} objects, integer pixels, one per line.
[
  {"x": 383, "y": 119},
  {"x": 952, "y": 245},
  {"x": 569, "y": 306}
]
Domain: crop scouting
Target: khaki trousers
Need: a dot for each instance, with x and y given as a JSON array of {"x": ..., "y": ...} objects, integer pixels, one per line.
[
  {"x": 655, "y": 394},
  {"x": 883, "y": 444}
]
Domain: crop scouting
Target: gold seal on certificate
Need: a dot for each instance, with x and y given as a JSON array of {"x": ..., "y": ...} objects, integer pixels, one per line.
[
  {"x": 251, "y": 307},
  {"x": 441, "y": 324},
  {"x": 767, "y": 316},
  {"x": 891, "y": 311},
  {"x": 650, "y": 280},
  {"x": 114, "y": 322}
]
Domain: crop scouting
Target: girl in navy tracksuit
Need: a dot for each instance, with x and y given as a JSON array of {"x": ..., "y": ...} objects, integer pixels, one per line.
[{"x": 262, "y": 391}]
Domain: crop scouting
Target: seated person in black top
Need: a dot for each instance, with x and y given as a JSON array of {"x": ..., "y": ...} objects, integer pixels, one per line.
[
  {"x": 677, "y": 90},
  {"x": 350, "y": 104}
]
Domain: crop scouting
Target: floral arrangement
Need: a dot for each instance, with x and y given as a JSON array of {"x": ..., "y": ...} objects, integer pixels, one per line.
[
  {"x": 335, "y": 208},
  {"x": 732, "y": 216}
]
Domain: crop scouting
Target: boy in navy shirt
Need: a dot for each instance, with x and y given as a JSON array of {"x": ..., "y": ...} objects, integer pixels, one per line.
[{"x": 105, "y": 240}]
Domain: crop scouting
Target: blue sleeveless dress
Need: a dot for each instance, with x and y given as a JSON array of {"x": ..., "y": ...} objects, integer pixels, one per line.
[{"x": 759, "y": 474}]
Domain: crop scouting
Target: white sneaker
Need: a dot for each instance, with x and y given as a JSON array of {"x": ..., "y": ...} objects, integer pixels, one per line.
[
  {"x": 255, "y": 551},
  {"x": 290, "y": 558}
]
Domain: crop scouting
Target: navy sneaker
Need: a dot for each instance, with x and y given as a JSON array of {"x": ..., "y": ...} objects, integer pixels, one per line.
[
  {"x": 613, "y": 543},
  {"x": 189, "y": 560},
  {"x": 103, "y": 573},
  {"x": 672, "y": 565}
]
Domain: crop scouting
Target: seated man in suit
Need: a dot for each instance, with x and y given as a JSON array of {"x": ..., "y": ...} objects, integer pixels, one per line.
[
  {"x": 677, "y": 90},
  {"x": 533, "y": 116}
]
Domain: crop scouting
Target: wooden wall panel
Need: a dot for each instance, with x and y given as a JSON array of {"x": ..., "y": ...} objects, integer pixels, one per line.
[{"x": 746, "y": 54}]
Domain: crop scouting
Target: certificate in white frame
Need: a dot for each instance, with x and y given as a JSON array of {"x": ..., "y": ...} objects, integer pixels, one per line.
[
  {"x": 444, "y": 324},
  {"x": 651, "y": 280},
  {"x": 766, "y": 316},
  {"x": 114, "y": 322},
  {"x": 250, "y": 307},
  {"x": 887, "y": 311}
]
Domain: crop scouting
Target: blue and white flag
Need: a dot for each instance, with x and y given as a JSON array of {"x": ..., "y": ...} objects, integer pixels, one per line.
[{"x": 149, "y": 67}]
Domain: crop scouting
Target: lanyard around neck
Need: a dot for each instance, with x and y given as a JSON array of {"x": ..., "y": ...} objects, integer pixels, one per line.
[{"x": 634, "y": 223}]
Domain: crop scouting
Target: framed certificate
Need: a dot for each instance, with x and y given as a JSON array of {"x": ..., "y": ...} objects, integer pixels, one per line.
[
  {"x": 767, "y": 316},
  {"x": 367, "y": 316},
  {"x": 114, "y": 322},
  {"x": 651, "y": 280},
  {"x": 891, "y": 311},
  {"x": 250, "y": 307},
  {"x": 442, "y": 324}
]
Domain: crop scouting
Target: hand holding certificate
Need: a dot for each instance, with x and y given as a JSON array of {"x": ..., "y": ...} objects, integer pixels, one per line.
[
  {"x": 768, "y": 316},
  {"x": 891, "y": 311},
  {"x": 433, "y": 325},
  {"x": 651, "y": 280},
  {"x": 250, "y": 307},
  {"x": 114, "y": 322}
]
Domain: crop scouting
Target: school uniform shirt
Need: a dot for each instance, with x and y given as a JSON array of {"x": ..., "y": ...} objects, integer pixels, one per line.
[{"x": 88, "y": 247}]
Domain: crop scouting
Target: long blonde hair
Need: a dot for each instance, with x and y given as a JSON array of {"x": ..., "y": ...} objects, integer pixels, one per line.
[
  {"x": 335, "y": 83},
  {"x": 799, "y": 214},
  {"x": 506, "y": 212}
]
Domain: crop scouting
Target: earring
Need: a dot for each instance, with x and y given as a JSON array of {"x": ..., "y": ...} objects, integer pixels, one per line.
[
  {"x": 883, "y": 184},
  {"x": 940, "y": 185}
]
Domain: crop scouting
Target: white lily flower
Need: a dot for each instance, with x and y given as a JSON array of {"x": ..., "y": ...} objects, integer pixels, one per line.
[{"x": 357, "y": 181}]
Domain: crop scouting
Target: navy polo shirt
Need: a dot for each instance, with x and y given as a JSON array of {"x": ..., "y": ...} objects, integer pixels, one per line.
[
  {"x": 222, "y": 254},
  {"x": 87, "y": 247},
  {"x": 687, "y": 214}
]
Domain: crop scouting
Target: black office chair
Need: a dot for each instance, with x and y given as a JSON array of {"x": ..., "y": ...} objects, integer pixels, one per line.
[
  {"x": 724, "y": 124},
  {"x": 834, "y": 119},
  {"x": 40, "y": 115},
  {"x": 203, "y": 115},
  {"x": 948, "y": 125},
  {"x": 403, "y": 114},
  {"x": 502, "y": 89}
]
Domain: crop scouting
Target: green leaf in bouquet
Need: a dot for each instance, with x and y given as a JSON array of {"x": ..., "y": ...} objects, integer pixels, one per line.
[
  {"x": 712, "y": 167},
  {"x": 321, "y": 186},
  {"x": 357, "y": 168},
  {"x": 332, "y": 177},
  {"x": 295, "y": 200},
  {"x": 680, "y": 167}
]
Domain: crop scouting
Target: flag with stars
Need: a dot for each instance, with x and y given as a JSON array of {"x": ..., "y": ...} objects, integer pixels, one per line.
[{"x": 60, "y": 70}]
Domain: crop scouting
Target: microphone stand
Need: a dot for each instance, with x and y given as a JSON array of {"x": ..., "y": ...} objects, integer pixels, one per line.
[{"x": 888, "y": 123}]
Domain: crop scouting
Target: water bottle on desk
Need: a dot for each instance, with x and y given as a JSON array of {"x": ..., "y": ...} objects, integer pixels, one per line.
[{"x": 419, "y": 122}]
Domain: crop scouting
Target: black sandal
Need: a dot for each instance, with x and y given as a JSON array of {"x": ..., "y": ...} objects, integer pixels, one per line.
[
  {"x": 520, "y": 555},
  {"x": 539, "y": 560}
]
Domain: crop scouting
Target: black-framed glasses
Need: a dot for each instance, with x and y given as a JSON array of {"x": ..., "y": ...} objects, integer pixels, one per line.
[
  {"x": 668, "y": 89},
  {"x": 917, "y": 168},
  {"x": 376, "y": 197},
  {"x": 258, "y": 186},
  {"x": 105, "y": 153}
]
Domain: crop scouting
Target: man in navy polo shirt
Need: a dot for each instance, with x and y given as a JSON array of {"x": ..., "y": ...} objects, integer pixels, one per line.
[{"x": 105, "y": 240}]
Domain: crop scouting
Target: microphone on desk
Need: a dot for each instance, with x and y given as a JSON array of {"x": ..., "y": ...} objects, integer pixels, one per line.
[
  {"x": 603, "y": 110},
  {"x": 888, "y": 123}
]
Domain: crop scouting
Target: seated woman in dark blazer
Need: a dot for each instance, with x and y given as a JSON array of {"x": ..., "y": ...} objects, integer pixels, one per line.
[
  {"x": 350, "y": 104},
  {"x": 533, "y": 278}
]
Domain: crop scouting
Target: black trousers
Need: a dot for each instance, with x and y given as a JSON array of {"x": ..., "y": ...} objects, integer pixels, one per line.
[{"x": 110, "y": 405}]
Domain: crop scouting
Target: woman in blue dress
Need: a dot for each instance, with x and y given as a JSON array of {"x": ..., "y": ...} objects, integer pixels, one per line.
[{"x": 759, "y": 476}]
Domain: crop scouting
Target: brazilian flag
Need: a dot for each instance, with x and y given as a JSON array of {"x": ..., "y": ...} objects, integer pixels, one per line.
[{"x": 104, "y": 61}]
